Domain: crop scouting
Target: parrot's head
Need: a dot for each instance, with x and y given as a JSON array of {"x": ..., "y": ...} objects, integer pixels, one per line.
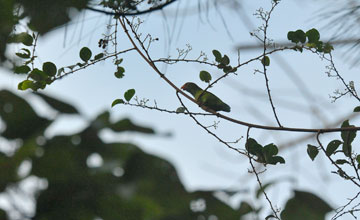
[{"x": 190, "y": 87}]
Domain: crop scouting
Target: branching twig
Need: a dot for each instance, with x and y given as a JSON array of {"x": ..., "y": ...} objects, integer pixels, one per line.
[
  {"x": 335, "y": 164},
  {"x": 258, "y": 178}
]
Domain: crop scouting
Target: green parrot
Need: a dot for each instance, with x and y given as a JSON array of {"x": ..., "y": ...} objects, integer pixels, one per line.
[{"x": 207, "y": 100}]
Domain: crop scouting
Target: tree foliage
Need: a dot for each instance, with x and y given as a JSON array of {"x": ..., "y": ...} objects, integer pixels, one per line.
[{"x": 141, "y": 186}]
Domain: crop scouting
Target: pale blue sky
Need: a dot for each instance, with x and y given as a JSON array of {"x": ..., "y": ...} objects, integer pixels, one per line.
[{"x": 202, "y": 162}]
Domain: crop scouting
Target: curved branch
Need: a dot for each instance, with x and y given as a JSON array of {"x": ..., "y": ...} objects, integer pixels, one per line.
[
  {"x": 131, "y": 13},
  {"x": 247, "y": 124}
]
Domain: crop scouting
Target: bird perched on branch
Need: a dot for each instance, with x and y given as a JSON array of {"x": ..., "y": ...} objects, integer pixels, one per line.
[{"x": 206, "y": 100}]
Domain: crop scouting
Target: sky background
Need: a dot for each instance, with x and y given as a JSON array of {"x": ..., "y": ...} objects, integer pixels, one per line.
[{"x": 201, "y": 161}]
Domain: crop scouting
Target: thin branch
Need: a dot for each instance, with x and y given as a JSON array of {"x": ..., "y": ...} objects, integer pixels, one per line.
[
  {"x": 152, "y": 9},
  {"x": 247, "y": 124},
  {"x": 206, "y": 129},
  {"x": 333, "y": 162},
  {"x": 258, "y": 178},
  {"x": 265, "y": 43}
]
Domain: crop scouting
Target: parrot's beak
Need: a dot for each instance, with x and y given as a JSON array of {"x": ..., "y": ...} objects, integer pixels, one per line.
[{"x": 183, "y": 87}]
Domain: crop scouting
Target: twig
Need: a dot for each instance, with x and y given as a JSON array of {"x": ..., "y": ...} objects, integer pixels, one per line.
[{"x": 333, "y": 162}]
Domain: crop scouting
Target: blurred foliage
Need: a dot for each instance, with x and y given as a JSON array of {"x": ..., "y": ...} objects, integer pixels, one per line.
[
  {"x": 45, "y": 15},
  {"x": 128, "y": 184}
]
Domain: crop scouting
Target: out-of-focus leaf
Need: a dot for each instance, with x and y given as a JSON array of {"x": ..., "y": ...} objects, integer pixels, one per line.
[
  {"x": 58, "y": 105},
  {"x": 20, "y": 118},
  {"x": 245, "y": 208},
  {"x": 127, "y": 125},
  {"x": 305, "y": 205}
]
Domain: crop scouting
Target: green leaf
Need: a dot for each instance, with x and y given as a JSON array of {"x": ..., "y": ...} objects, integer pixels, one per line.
[
  {"x": 292, "y": 36},
  {"x": 180, "y": 110},
  {"x": 313, "y": 35},
  {"x": 275, "y": 159},
  {"x": 116, "y": 102},
  {"x": 49, "y": 68},
  {"x": 358, "y": 159},
  {"x": 347, "y": 137},
  {"x": 217, "y": 56},
  {"x": 205, "y": 76},
  {"x": 225, "y": 60},
  {"x": 328, "y": 48},
  {"x": 227, "y": 69},
  {"x": 332, "y": 147},
  {"x": 99, "y": 56},
  {"x": 25, "y": 55},
  {"x": 22, "y": 69},
  {"x": 270, "y": 149},
  {"x": 119, "y": 61},
  {"x": 38, "y": 75},
  {"x": 233, "y": 70},
  {"x": 319, "y": 46},
  {"x": 312, "y": 151},
  {"x": 120, "y": 72},
  {"x": 26, "y": 84},
  {"x": 129, "y": 94},
  {"x": 85, "y": 54},
  {"x": 341, "y": 162},
  {"x": 23, "y": 37},
  {"x": 357, "y": 109},
  {"x": 253, "y": 147},
  {"x": 265, "y": 61},
  {"x": 300, "y": 36},
  {"x": 60, "y": 70}
]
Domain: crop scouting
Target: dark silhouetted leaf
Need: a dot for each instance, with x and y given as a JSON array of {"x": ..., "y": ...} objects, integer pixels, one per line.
[
  {"x": 332, "y": 147},
  {"x": 49, "y": 68},
  {"x": 23, "y": 37},
  {"x": 225, "y": 60},
  {"x": 22, "y": 69},
  {"x": 116, "y": 102},
  {"x": 180, "y": 110},
  {"x": 98, "y": 56},
  {"x": 85, "y": 54},
  {"x": 205, "y": 76},
  {"x": 312, "y": 151},
  {"x": 313, "y": 35},
  {"x": 129, "y": 94},
  {"x": 253, "y": 147},
  {"x": 120, "y": 72},
  {"x": 38, "y": 75},
  {"x": 25, "y": 55},
  {"x": 357, "y": 109},
  {"x": 341, "y": 162},
  {"x": 217, "y": 56},
  {"x": 347, "y": 137},
  {"x": 265, "y": 61}
]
